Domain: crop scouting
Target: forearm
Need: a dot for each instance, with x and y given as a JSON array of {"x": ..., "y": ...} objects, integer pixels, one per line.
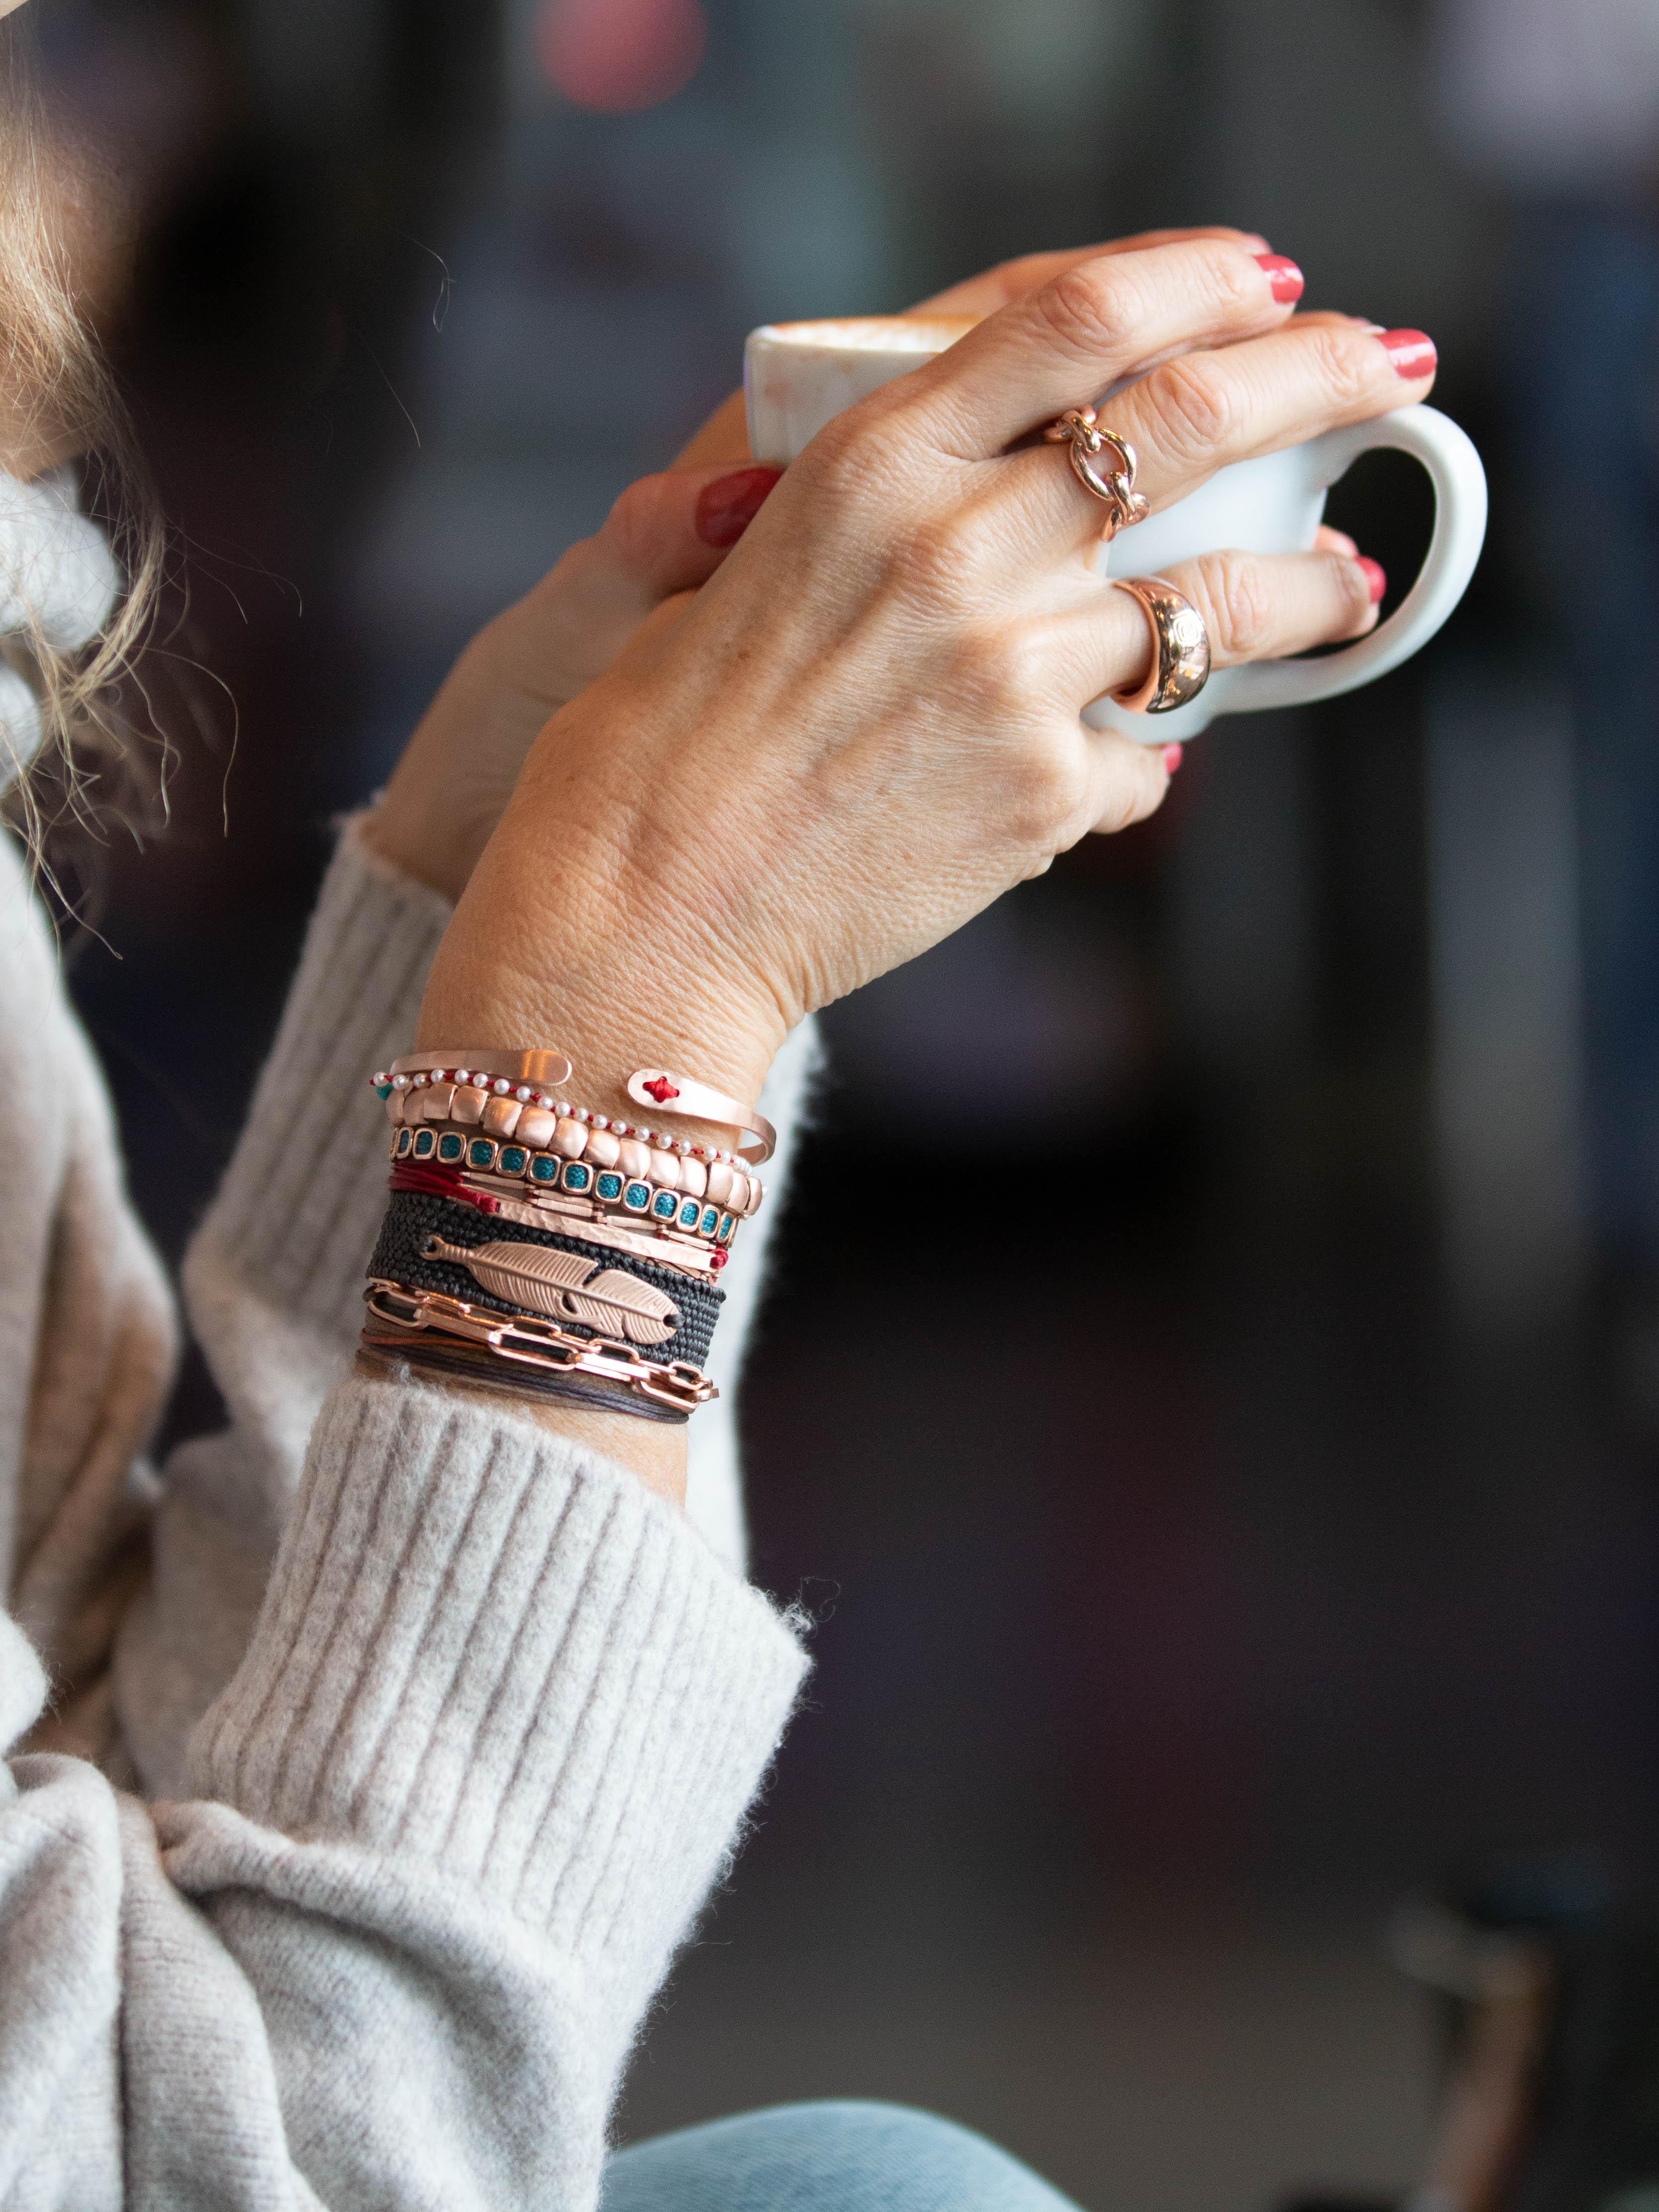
[
  {"x": 489, "y": 1744},
  {"x": 499, "y": 1719},
  {"x": 275, "y": 1281}
]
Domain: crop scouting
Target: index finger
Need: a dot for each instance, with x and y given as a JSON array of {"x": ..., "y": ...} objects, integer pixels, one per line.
[
  {"x": 1095, "y": 322},
  {"x": 725, "y": 437},
  {"x": 1011, "y": 280}
]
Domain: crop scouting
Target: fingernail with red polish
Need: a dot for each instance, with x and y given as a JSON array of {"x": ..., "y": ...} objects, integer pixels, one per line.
[
  {"x": 728, "y": 506},
  {"x": 1171, "y": 759},
  {"x": 1283, "y": 275},
  {"x": 1375, "y": 577},
  {"x": 1412, "y": 353}
]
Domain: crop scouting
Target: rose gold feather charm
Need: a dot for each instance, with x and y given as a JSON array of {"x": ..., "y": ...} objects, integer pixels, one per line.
[{"x": 565, "y": 1287}]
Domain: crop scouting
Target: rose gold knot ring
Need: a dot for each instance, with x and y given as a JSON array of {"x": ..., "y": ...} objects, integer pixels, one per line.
[{"x": 1077, "y": 428}]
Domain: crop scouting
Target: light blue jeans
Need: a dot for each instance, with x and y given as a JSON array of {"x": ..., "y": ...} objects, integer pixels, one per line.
[{"x": 824, "y": 2157}]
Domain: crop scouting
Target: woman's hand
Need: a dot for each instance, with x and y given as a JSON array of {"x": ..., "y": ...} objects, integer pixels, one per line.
[
  {"x": 867, "y": 725},
  {"x": 666, "y": 535}
]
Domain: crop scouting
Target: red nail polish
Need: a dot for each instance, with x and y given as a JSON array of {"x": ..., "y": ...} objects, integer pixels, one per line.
[
  {"x": 1412, "y": 353},
  {"x": 1375, "y": 578},
  {"x": 728, "y": 506},
  {"x": 1283, "y": 275},
  {"x": 1171, "y": 759}
]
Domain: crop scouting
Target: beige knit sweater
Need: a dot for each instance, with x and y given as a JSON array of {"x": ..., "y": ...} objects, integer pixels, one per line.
[{"x": 368, "y": 1763}]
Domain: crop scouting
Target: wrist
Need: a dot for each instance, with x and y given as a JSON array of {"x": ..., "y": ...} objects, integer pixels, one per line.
[
  {"x": 652, "y": 1451},
  {"x": 400, "y": 832},
  {"x": 605, "y": 989},
  {"x": 585, "y": 928},
  {"x": 607, "y": 1022}
]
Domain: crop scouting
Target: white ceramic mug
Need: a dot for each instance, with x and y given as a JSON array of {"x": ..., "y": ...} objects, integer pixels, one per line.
[{"x": 797, "y": 376}]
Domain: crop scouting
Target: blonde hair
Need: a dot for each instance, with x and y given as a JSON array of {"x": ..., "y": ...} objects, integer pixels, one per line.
[{"x": 57, "y": 391}]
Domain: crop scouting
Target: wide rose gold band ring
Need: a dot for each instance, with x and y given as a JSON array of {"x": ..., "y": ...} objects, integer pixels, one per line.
[{"x": 1180, "y": 647}]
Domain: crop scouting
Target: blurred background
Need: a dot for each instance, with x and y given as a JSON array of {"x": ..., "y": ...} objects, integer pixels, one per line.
[{"x": 1291, "y": 1538}]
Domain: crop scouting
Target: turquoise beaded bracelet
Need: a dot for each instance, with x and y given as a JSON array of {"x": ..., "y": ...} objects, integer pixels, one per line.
[{"x": 634, "y": 1195}]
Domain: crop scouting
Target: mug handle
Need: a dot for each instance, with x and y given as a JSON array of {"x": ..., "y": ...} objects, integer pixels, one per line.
[{"x": 1460, "y": 527}]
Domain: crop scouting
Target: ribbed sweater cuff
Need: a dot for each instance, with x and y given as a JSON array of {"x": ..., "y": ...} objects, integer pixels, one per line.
[
  {"x": 496, "y": 1651},
  {"x": 297, "y": 1212}
]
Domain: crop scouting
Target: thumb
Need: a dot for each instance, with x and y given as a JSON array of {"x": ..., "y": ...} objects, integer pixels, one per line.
[{"x": 670, "y": 532}]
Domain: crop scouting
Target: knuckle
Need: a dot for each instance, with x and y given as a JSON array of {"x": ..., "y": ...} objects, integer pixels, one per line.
[
  {"x": 1353, "y": 591},
  {"x": 1342, "y": 364},
  {"x": 999, "y": 673},
  {"x": 838, "y": 461},
  {"x": 1242, "y": 609},
  {"x": 1197, "y": 407},
  {"x": 1089, "y": 309},
  {"x": 1228, "y": 286},
  {"x": 937, "y": 564},
  {"x": 1133, "y": 795},
  {"x": 1048, "y": 792},
  {"x": 631, "y": 524}
]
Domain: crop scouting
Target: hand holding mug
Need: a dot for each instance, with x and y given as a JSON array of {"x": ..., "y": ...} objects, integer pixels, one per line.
[
  {"x": 666, "y": 535},
  {"x": 867, "y": 725},
  {"x": 798, "y": 376}
]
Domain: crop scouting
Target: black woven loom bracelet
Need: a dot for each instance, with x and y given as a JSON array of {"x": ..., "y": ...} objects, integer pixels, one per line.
[{"x": 413, "y": 1218}]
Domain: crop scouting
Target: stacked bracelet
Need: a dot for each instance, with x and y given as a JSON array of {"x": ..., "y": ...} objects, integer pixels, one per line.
[
  {"x": 602, "y": 1285},
  {"x": 537, "y": 1310}
]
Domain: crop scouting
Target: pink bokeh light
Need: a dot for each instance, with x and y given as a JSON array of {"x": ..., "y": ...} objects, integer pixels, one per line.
[{"x": 619, "y": 56}]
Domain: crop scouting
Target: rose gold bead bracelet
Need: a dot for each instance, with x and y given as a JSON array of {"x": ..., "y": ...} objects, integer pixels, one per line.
[{"x": 530, "y": 1081}]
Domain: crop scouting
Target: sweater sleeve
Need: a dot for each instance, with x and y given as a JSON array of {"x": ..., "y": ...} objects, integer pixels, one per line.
[
  {"x": 274, "y": 1286},
  {"x": 493, "y": 1736}
]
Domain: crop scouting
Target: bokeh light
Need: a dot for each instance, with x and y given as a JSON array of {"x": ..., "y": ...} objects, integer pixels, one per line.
[{"x": 619, "y": 56}]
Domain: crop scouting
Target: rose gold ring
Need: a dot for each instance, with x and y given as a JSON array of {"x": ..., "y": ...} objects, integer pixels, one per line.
[
  {"x": 1078, "y": 429},
  {"x": 1180, "y": 647}
]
